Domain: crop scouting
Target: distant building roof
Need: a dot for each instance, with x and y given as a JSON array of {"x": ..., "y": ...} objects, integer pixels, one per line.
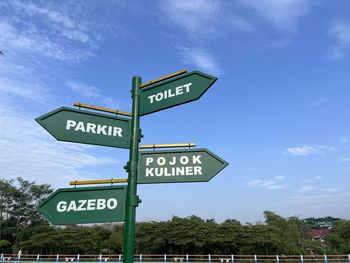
[{"x": 318, "y": 233}]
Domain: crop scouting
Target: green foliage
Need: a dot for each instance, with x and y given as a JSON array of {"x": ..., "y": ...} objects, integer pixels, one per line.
[
  {"x": 339, "y": 239},
  {"x": 18, "y": 200},
  {"x": 4, "y": 244},
  {"x": 22, "y": 227}
]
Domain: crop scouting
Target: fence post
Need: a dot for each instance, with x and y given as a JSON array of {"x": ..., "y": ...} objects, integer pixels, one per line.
[
  {"x": 349, "y": 258},
  {"x": 140, "y": 257},
  {"x": 301, "y": 259},
  {"x": 325, "y": 258},
  {"x": 164, "y": 257},
  {"x": 186, "y": 257},
  {"x": 232, "y": 259},
  {"x": 209, "y": 258},
  {"x": 277, "y": 259},
  {"x": 1, "y": 256},
  {"x": 100, "y": 258},
  {"x": 37, "y": 257},
  {"x": 255, "y": 259},
  {"x": 120, "y": 258},
  {"x": 57, "y": 257},
  {"x": 78, "y": 257}
]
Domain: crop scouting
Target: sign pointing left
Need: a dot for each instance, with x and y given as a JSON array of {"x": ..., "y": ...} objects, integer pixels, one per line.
[
  {"x": 85, "y": 205},
  {"x": 71, "y": 125}
]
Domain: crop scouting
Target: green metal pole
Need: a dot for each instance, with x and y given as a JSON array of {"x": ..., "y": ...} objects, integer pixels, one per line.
[{"x": 132, "y": 200}]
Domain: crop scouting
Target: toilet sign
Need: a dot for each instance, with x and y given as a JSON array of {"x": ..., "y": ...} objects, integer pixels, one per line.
[
  {"x": 177, "y": 166},
  {"x": 85, "y": 205},
  {"x": 174, "y": 91},
  {"x": 71, "y": 125}
]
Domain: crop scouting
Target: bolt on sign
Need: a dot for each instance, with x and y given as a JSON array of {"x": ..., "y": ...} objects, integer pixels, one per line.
[
  {"x": 177, "y": 166},
  {"x": 71, "y": 125},
  {"x": 174, "y": 91},
  {"x": 85, "y": 205}
]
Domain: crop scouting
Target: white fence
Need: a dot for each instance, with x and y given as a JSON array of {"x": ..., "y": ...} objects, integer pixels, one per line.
[{"x": 163, "y": 258}]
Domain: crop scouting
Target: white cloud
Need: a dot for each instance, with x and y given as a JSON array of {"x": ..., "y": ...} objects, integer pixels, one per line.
[
  {"x": 317, "y": 102},
  {"x": 340, "y": 33},
  {"x": 37, "y": 44},
  {"x": 344, "y": 159},
  {"x": 252, "y": 169},
  {"x": 280, "y": 177},
  {"x": 60, "y": 32},
  {"x": 196, "y": 16},
  {"x": 30, "y": 152},
  {"x": 266, "y": 184},
  {"x": 283, "y": 14},
  {"x": 94, "y": 94},
  {"x": 306, "y": 188},
  {"x": 332, "y": 190},
  {"x": 311, "y": 180},
  {"x": 200, "y": 59},
  {"x": 345, "y": 139},
  {"x": 240, "y": 23},
  {"x": 325, "y": 201},
  {"x": 306, "y": 150},
  {"x": 84, "y": 90}
]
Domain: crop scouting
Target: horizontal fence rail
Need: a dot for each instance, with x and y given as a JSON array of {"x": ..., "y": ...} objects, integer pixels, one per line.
[{"x": 163, "y": 258}]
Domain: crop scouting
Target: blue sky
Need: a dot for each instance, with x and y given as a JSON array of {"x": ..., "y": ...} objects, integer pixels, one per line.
[{"x": 279, "y": 112}]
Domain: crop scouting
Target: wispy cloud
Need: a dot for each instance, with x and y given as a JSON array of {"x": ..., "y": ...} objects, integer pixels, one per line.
[
  {"x": 321, "y": 200},
  {"x": 283, "y": 14},
  {"x": 266, "y": 184},
  {"x": 93, "y": 94},
  {"x": 29, "y": 152},
  {"x": 340, "y": 33},
  {"x": 61, "y": 32},
  {"x": 280, "y": 177},
  {"x": 200, "y": 59},
  {"x": 84, "y": 90},
  {"x": 317, "y": 102},
  {"x": 306, "y": 150},
  {"x": 344, "y": 159},
  {"x": 252, "y": 169},
  {"x": 37, "y": 44},
  {"x": 312, "y": 180},
  {"x": 196, "y": 17},
  {"x": 306, "y": 188},
  {"x": 37, "y": 40},
  {"x": 345, "y": 139},
  {"x": 332, "y": 190}
]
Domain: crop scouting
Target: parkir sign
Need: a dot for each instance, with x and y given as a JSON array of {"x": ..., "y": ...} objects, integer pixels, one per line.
[{"x": 71, "y": 125}]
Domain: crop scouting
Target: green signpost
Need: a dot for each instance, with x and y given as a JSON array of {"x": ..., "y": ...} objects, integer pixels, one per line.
[
  {"x": 177, "y": 166},
  {"x": 85, "y": 205},
  {"x": 174, "y": 91},
  {"x": 71, "y": 125},
  {"x": 117, "y": 204}
]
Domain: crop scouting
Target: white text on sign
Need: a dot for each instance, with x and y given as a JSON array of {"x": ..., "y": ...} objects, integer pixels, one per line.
[
  {"x": 87, "y": 205},
  {"x": 169, "y": 93},
  {"x": 94, "y": 128},
  {"x": 182, "y": 166}
]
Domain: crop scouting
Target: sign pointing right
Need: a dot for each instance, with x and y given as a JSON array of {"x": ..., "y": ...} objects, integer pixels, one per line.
[
  {"x": 177, "y": 166},
  {"x": 174, "y": 91}
]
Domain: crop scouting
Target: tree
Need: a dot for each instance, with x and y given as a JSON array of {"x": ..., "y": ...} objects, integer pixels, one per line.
[
  {"x": 339, "y": 238},
  {"x": 18, "y": 208}
]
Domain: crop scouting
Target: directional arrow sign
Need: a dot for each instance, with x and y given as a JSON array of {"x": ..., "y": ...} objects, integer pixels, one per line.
[
  {"x": 176, "y": 166},
  {"x": 85, "y": 205},
  {"x": 71, "y": 125},
  {"x": 174, "y": 91}
]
